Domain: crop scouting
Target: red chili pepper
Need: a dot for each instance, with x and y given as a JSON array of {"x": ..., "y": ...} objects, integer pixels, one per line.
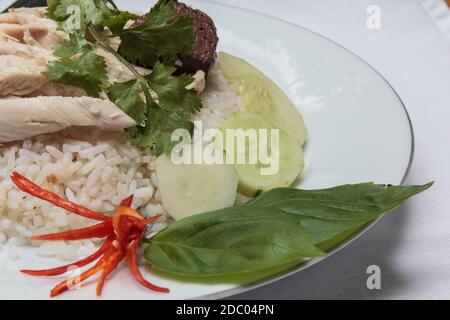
[
  {"x": 63, "y": 269},
  {"x": 132, "y": 264},
  {"x": 29, "y": 187},
  {"x": 115, "y": 259},
  {"x": 100, "y": 230},
  {"x": 123, "y": 233}
]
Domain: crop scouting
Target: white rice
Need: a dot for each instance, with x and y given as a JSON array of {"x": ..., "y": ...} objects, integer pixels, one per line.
[
  {"x": 219, "y": 100},
  {"x": 89, "y": 168},
  {"x": 93, "y": 169}
]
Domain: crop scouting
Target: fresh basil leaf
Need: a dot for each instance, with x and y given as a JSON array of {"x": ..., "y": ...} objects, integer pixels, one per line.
[
  {"x": 274, "y": 229},
  {"x": 340, "y": 238},
  {"x": 326, "y": 213},
  {"x": 230, "y": 241}
]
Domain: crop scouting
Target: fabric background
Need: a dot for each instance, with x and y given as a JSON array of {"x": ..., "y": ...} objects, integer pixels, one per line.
[{"x": 411, "y": 246}]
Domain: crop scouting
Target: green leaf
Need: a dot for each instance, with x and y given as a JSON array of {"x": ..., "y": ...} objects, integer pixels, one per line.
[
  {"x": 87, "y": 71},
  {"x": 162, "y": 37},
  {"x": 81, "y": 67},
  {"x": 326, "y": 213},
  {"x": 72, "y": 46},
  {"x": 128, "y": 98},
  {"x": 277, "y": 228},
  {"x": 157, "y": 120},
  {"x": 173, "y": 110},
  {"x": 230, "y": 241},
  {"x": 77, "y": 15},
  {"x": 171, "y": 91},
  {"x": 157, "y": 132},
  {"x": 117, "y": 21}
]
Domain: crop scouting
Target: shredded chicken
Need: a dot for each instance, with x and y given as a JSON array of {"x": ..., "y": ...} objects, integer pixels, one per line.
[
  {"x": 21, "y": 118},
  {"x": 116, "y": 70},
  {"x": 28, "y": 34},
  {"x": 199, "y": 83},
  {"x": 31, "y": 104},
  {"x": 23, "y": 77},
  {"x": 31, "y": 28}
]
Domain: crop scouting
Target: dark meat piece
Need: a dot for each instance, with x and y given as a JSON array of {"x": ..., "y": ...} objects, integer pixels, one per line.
[{"x": 204, "y": 50}]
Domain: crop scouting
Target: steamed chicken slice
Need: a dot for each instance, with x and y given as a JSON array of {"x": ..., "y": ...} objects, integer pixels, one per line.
[
  {"x": 21, "y": 68},
  {"x": 118, "y": 71},
  {"x": 12, "y": 46},
  {"x": 36, "y": 11},
  {"x": 29, "y": 35},
  {"x": 21, "y": 118},
  {"x": 19, "y": 76},
  {"x": 23, "y": 77},
  {"x": 31, "y": 29},
  {"x": 40, "y": 36}
]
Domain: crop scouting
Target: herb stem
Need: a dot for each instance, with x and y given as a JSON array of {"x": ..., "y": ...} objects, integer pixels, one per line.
[
  {"x": 108, "y": 48},
  {"x": 142, "y": 80},
  {"x": 111, "y": 2}
]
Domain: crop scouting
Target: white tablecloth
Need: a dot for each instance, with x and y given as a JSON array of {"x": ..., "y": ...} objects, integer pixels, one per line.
[{"x": 412, "y": 246}]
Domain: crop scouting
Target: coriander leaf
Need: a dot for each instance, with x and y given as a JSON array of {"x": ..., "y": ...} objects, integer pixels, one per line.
[
  {"x": 272, "y": 230},
  {"x": 117, "y": 21},
  {"x": 78, "y": 14},
  {"x": 72, "y": 46},
  {"x": 87, "y": 71},
  {"x": 230, "y": 241},
  {"x": 163, "y": 36},
  {"x": 157, "y": 133},
  {"x": 173, "y": 110},
  {"x": 128, "y": 98},
  {"x": 171, "y": 91}
]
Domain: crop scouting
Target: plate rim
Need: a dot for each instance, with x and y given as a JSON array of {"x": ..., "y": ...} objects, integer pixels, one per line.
[{"x": 285, "y": 274}]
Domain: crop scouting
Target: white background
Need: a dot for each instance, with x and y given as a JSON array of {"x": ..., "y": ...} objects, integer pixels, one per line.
[{"x": 411, "y": 246}]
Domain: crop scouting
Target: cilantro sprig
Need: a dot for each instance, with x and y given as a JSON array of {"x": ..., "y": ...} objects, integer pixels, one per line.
[
  {"x": 78, "y": 14},
  {"x": 158, "y": 102},
  {"x": 78, "y": 66},
  {"x": 176, "y": 104},
  {"x": 160, "y": 37}
]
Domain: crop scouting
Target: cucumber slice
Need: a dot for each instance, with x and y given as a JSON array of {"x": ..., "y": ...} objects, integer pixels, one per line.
[
  {"x": 190, "y": 189},
  {"x": 260, "y": 94},
  {"x": 251, "y": 178}
]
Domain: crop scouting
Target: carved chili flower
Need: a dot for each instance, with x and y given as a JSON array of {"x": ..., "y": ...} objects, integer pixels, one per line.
[{"x": 123, "y": 233}]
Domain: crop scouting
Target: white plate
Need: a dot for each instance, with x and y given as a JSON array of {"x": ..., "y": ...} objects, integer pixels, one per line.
[{"x": 359, "y": 131}]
